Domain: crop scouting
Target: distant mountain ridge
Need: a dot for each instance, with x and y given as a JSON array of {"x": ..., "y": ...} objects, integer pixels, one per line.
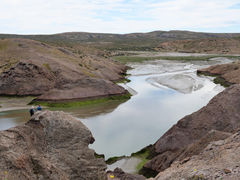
[
  {"x": 160, "y": 35},
  {"x": 132, "y": 41}
]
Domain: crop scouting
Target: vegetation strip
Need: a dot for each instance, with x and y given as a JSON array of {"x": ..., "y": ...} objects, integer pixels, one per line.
[
  {"x": 217, "y": 78},
  {"x": 82, "y": 102},
  {"x": 124, "y": 80},
  {"x": 126, "y": 59},
  {"x": 143, "y": 155}
]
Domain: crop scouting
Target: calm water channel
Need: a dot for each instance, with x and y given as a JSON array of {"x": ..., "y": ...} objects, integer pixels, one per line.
[{"x": 164, "y": 92}]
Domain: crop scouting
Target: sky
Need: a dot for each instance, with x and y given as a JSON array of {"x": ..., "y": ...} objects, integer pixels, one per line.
[{"x": 118, "y": 16}]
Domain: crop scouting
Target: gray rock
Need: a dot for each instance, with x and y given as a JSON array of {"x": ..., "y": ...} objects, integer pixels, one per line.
[
  {"x": 52, "y": 145},
  {"x": 221, "y": 161}
]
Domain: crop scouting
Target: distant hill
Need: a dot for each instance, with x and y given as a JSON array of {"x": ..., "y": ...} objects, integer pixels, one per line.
[
  {"x": 133, "y": 41},
  {"x": 209, "y": 46}
]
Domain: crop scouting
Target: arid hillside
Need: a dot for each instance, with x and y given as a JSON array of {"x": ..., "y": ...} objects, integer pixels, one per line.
[
  {"x": 133, "y": 41},
  {"x": 213, "y": 46},
  {"x": 29, "y": 67}
]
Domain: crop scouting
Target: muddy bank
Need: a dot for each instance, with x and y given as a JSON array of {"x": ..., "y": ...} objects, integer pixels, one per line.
[
  {"x": 14, "y": 103},
  {"x": 52, "y": 145},
  {"x": 227, "y": 74}
]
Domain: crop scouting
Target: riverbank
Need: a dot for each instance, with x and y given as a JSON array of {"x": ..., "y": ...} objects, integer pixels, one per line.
[
  {"x": 116, "y": 129},
  {"x": 115, "y": 123},
  {"x": 228, "y": 74},
  {"x": 195, "y": 138},
  {"x": 82, "y": 102},
  {"x": 220, "y": 114},
  {"x": 9, "y": 103},
  {"x": 150, "y": 56},
  {"x": 202, "y": 145}
]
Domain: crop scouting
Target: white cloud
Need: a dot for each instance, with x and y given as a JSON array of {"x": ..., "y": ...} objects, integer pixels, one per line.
[{"x": 117, "y": 16}]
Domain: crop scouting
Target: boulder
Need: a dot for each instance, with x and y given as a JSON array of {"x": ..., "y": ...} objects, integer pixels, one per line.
[{"x": 51, "y": 145}]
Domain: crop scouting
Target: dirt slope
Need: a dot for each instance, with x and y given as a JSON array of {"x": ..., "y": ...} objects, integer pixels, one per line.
[{"x": 30, "y": 67}]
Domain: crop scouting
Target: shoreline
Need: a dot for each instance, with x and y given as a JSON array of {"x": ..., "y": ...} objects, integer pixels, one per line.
[{"x": 70, "y": 103}]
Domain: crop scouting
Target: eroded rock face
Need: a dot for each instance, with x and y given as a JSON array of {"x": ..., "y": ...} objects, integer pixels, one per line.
[
  {"x": 26, "y": 79},
  {"x": 221, "y": 114},
  {"x": 219, "y": 160},
  {"x": 30, "y": 67},
  {"x": 229, "y": 72},
  {"x": 83, "y": 89},
  {"x": 52, "y": 145}
]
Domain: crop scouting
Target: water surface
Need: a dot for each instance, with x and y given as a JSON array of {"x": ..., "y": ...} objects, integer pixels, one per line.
[{"x": 164, "y": 92}]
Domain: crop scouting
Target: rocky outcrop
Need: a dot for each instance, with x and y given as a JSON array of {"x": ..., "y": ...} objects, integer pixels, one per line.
[
  {"x": 52, "y": 145},
  {"x": 183, "y": 139},
  {"x": 228, "y": 72},
  {"x": 198, "y": 146},
  {"x": 29, "y": 67},
  {"x": 26, "y": 79},
  {"x": 83, "y": 89},
  {"x": 219, "y": 160}
]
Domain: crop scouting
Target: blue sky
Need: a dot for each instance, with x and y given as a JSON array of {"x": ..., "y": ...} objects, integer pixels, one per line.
[{"x": 118, "y": 16}]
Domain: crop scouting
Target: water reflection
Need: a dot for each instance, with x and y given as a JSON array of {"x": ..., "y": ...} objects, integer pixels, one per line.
[
  {"x": 144, "y": 118},
  {"x": 121, "y": 128},
  {"x": 92, "y": 110},
  {"x": 10, "y": 119}
]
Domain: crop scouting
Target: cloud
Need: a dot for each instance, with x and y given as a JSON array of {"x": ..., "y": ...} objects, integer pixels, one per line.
[{"x": 117, "y": 16}]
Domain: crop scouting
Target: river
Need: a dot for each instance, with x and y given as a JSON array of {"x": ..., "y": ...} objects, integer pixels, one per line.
[{"x": 163, "y": 92}]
